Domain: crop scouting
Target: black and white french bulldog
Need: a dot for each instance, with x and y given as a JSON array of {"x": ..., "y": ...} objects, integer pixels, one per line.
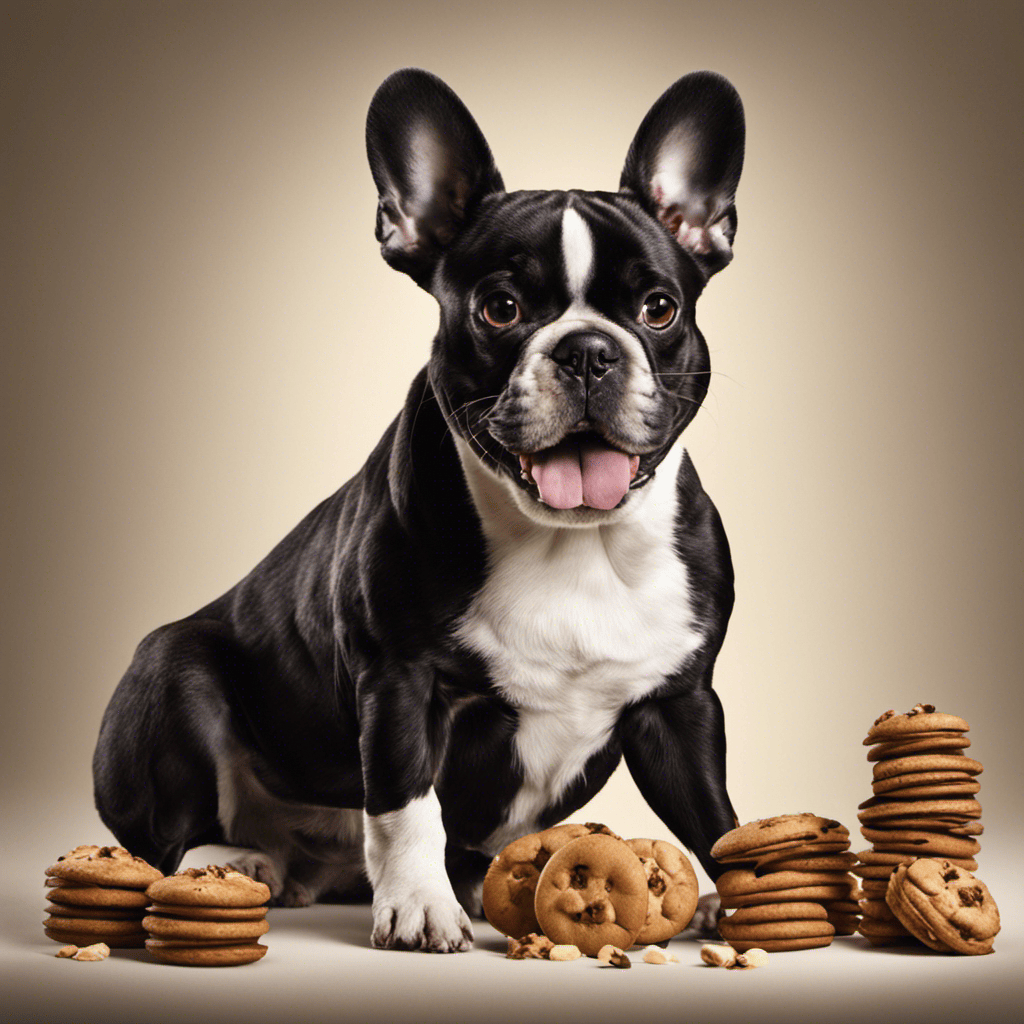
[{"x": 524, "y": 583}]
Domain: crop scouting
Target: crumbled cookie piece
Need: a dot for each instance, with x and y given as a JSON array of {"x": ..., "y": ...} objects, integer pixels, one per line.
[
  {"x": 715, "y": 955},
  {"x": 97, "y": 951},
  {"x": 564, "y": 951},
  {"x": 656, "y": 955},
  {"x": 67, "y": 951},
  {"x": 530, "y": 947}
]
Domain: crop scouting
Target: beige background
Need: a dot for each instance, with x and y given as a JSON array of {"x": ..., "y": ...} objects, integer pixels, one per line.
[{"x": 201, "y": 342}]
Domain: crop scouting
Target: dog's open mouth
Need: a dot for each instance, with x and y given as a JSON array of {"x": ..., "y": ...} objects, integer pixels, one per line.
[{"x": 582, "y": 469}]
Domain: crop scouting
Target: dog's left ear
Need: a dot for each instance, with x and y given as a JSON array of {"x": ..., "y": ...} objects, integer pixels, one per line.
[
  {"x": 431, "y": 164},
  {"x": 685, "y": 162}
]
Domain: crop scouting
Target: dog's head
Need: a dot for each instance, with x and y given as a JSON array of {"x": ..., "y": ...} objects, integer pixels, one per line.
[{"x": 568, "y": 359}]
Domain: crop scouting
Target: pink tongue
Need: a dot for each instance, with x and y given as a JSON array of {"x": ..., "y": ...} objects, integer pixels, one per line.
[{"x": 576, "y": 473}]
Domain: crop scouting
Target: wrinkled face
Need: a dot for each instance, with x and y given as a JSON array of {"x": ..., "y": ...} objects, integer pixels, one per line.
[{"x": 568, "y": 359}]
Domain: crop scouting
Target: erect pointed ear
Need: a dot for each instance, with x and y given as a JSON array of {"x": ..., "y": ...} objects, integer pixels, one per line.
[
  {"x": 685, "y": 162},
  {"x": 431, "y": 165}
]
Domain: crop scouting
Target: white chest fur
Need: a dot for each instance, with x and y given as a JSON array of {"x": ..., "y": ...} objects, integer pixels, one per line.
[{"x": 574, "y": 624}]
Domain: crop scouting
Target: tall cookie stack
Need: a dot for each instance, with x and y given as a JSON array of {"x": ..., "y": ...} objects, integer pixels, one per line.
[
  {"x": 789, "y": 883},
  {"x": 923, "y": 806},
  {"x": 98, "y": 894},
  {"x": 207, "y": 917}
]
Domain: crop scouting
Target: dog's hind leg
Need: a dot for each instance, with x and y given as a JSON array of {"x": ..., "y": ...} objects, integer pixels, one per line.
[{"x": 155, "y": 764}]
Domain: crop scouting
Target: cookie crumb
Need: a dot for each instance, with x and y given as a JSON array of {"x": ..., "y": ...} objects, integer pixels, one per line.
[
  {"x": 654, "y": 955},
  {"x": 715, "y": 955},
  {"x": 564, "y": 951},
  {"x": 67, "y": 951},
  {"x": 97, "y": 951}
]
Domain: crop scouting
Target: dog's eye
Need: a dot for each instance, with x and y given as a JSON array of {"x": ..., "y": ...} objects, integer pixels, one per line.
[
  {"x": 659, "y": 311},
  {"x": 500, "y": 310}
]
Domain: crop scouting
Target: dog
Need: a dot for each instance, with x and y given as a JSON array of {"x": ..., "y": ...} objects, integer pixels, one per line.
[{"x": 523, "y": 585}]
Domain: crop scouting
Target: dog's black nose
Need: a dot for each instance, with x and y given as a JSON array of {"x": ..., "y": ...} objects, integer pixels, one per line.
[{"x": 586, "y": 352}]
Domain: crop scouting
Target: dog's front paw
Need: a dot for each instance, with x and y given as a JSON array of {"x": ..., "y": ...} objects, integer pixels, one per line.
[
  {"x": 263, "y": 868},
  {"x": 430, "y": 921},
  {"x": 704, "y": 923}
]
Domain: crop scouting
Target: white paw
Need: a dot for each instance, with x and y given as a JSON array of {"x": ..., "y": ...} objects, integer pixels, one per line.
[
  {"x": 421, "y": 919},
  {"x": 262, "y": 867}
]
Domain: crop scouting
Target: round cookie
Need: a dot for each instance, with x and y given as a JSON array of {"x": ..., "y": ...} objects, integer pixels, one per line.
[
  {"x": 511, "y": 880},
  {"x": 952, "y": 809},
  {"x": 93, "y": 926},
  {"x": 766, "y": 912},
  {"x": 926, "y": 763},
  {"x": 671, "y": 889},
  {"x": 891, "y": 726},
  {"x": 801, "y": 894},
  {"x": 206, "y": 956},
  {"x": 767, "y": 835},
  {"x": 160, "y": 926},
  {"x": 212, "y": 886},
  {"x": 97, "y": 896},
  {"x": 592, "y": 893},
  {"x": 794, "y": 929},
  {"x": 883, "y": 933},
  {"x": 781, "y": 945},
  {"x": 923, "y": 743},
  {"x": 764, "y": 861},
  {"x": 944, "y": 906},
  {"x": 914, "y": 789},
  {"x": 922, "y": 844},
  {"x": 104, "y": 865},
  {"x": 826, "y": 862},
  {"x": 743, "y": 881},
  {"x": 94, "y": 913},
  {"x": 211, "y": 913},
  {"x": 876, "y": 857}
]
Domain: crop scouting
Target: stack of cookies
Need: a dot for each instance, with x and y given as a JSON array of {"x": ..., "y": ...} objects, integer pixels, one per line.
[
  {"x": 789, "y": 883},
  {"x": 923, "y": 806},
  {"x": 97, "y": 894},
  {"x": 207, "y": 917}
]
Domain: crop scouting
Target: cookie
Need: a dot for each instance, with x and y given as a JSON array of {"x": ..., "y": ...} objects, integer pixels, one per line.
[
  {"x": 892, "y": 726},
  {"x": 205, "y": 956},
  {"x": 766, "y": 860},
  {"x": 671, "y": 889},
  {"x": 932, "y": 742},
  {"x": 591, "y": 893},
  {"x": 827, "y": 862},
  {"x": 211, "y": 913},
  {"x": 767, "y": 912},
  {"x": 768, "y": 835},
  {"x": 743, "y": 881},
  {"x": 97, "y": 896},
  {"x": 926, "y": 763},
  {"x": 909, "y": 788},
  {"x": 511, "y": 880},
  {"x": 93, "y": 926},
  {"x": 922, "y": 844},
  {"x": 212, "y": 886},
  {"x": 794, "y": 929},
  {"x": 94, "y": 913},
  {"x": 944, "y": 906},
  {"x": 876, "y": 857},
  {"x": 883, "y": 933},
  {"x": 162, "y": 926},
  {"x": 799, "y": 894},
  {"x": 781, "y": 945},
  {"x": 952, "y": 811},
  {"x": 104, "y": 865}
]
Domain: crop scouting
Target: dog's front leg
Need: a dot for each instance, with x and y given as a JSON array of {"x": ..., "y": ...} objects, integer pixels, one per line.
[
  {"x": 675, "y": 750},
  {"x": 414, "y": 906}
]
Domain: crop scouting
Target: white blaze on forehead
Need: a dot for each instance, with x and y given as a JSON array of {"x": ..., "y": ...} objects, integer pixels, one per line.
[{"x": 577, "y": 252}]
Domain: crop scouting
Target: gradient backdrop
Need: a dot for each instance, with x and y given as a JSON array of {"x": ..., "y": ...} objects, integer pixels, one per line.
[{"x": 201, "y": 342}]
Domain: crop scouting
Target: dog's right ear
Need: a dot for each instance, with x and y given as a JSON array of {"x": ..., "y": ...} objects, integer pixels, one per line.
[{"x": 431, "y": 164}]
